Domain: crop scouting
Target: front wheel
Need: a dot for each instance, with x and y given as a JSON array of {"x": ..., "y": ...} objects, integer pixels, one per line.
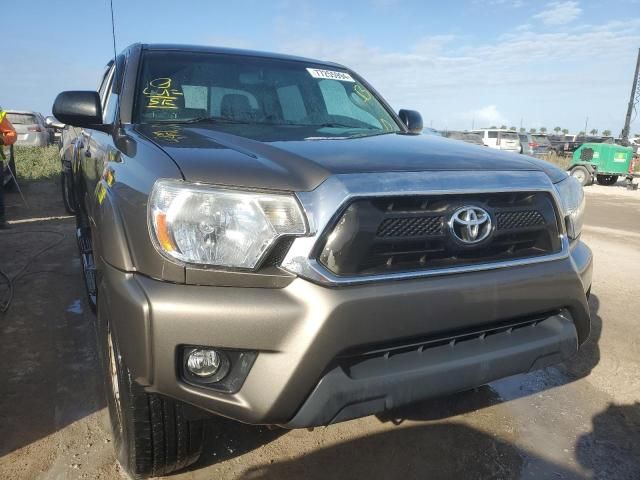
[
  {"x": 153, "y": 435},
  {"x": 581, "y": 174},
  {"x": 607, "y": 179}
]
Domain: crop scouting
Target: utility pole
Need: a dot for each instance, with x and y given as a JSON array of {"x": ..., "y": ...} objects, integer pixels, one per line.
[
  {"x": 634, "y": 99},
  {"x": 586, "y": 122}
]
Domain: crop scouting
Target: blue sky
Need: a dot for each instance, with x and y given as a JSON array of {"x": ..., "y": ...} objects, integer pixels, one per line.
[{"x": 480, "y": 61}]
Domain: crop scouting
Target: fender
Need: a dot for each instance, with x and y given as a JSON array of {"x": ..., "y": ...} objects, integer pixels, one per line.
[{"x": 108, "y": 235}]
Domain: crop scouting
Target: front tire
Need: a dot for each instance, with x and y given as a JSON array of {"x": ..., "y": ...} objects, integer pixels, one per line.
[
  {"x": 152, "y": 434},
  {"x": 582, "y": 175}
]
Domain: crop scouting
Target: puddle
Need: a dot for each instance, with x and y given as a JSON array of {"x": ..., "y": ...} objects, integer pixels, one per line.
[{"x": 75, "y": 307}]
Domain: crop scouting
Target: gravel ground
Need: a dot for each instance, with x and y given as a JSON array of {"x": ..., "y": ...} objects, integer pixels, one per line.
[{"x": 576, "y": 420}]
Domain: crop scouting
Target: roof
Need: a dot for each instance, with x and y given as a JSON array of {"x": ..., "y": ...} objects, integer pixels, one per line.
[
  {"x": 23, "y": 112},
  {"x": 235, "y": 51}
]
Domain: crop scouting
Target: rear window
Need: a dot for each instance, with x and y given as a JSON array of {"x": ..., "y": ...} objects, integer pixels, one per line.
[
  {"x": 541, "y": 139},
  {"x": 22, "y": 118},
  {"x": 509, "y": 135},
  {"x": 492, "y": 134}
]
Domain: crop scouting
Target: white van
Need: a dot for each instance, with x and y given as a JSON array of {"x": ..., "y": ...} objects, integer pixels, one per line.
[{"x": 500, "y": 139}]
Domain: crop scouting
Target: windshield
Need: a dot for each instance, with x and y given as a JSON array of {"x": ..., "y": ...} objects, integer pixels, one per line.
[
  {"x": 241, "y": 90},
  {"x": 22, "y": 119}
]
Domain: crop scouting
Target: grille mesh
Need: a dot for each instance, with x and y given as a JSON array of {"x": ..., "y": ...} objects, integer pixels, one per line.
[
  {"x": 520, "y": 219},
  {"x": 410, "y": 227}
]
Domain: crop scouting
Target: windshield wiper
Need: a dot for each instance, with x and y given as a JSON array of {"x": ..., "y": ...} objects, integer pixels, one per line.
[
  {"x": 212, "y": 119},
  {"x": 329, "y": 125}
]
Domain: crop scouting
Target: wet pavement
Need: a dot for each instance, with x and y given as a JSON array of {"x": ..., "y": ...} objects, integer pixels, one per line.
[{"x": 580, "y": 419}]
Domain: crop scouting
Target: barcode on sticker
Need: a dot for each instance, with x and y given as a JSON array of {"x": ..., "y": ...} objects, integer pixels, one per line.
[{"x": 330, "y": 75}]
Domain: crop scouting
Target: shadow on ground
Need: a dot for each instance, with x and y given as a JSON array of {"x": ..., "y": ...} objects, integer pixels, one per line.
[{"x": 49, "y": 375}]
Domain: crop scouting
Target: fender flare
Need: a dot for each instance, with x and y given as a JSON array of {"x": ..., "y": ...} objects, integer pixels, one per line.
[{"x": 109, "y": 239}]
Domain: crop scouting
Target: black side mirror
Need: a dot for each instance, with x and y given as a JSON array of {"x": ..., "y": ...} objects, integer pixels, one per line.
[
  {"x": 412, "y": 119},
  {"x": 79, "y": 109}
]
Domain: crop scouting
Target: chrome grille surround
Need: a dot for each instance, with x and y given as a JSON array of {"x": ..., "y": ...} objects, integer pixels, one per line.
[{"x": 326, "y": 201}]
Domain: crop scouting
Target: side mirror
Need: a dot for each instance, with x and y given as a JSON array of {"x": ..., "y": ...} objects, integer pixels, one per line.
[
  {"x": 412, "y": 119},
  {"x": 79, "y": 109}
]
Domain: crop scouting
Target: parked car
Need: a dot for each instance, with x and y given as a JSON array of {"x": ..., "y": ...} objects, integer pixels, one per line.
[
  {"x": 55, "y": 129},
  {"x": 468, "y": 137},
  {"x": 263, "y": 238},
  {"x": 30, "y": 127},
  {"x": 431, "y": 131},
  {"x": 534, "y": 144},
  {"x": 500, "y": 139}
]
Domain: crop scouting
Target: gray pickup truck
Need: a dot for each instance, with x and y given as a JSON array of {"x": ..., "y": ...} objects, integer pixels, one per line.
[{"x": 264, "y": 239}]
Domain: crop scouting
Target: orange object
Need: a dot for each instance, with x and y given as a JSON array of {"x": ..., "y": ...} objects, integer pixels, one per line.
[{"x": 7, "y": 131}]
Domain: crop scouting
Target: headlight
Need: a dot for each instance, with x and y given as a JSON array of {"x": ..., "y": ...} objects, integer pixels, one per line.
[
  {"x": 215, "y": 226},
  {"x": 573, "y": 202}
]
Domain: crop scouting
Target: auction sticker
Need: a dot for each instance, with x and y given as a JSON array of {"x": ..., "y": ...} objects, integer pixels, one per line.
[{"x": 330, "y": 75}]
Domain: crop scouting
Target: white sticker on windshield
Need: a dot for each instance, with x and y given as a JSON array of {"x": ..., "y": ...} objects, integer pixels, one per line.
[{"x": 330, "y": 75}]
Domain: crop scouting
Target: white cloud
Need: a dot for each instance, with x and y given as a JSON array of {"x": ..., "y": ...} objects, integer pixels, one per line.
[
  {"x": 559, "y": 13},
  {"x": 485, "y": 117}
]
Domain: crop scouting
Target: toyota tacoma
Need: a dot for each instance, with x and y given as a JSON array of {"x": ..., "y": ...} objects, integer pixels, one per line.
[{"x": 264, "y": 239}]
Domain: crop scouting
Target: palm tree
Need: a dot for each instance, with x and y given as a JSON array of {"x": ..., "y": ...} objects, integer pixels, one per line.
[
  {"x": 532, "y": 130},
  {"x": 543, "y": 129},
  {"x": 593, "y": 131},
  {"x": 606, "y": 133},
  {"x": 557, "y": 129},
  {"x": 581, "y": 133},
  {"x": 565, "y": 130},
  {"x": 503, "y": 127},
  {"x": 513, "y": 128},
  {"x": 522, "y": 129},
  {"x": 493, "y": 127}
]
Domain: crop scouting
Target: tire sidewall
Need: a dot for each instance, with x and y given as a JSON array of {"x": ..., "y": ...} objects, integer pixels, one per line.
[{"x": 121, "y": 425}]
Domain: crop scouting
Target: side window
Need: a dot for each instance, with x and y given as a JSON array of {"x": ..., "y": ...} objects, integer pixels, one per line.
[
  {"x": 492, "y": 134},
  {"x": 291, "y": 103},
  {"x": 105, "y": 87},
  {"x": 109, "y": 102},
  {"x": 338, "y": 102}
]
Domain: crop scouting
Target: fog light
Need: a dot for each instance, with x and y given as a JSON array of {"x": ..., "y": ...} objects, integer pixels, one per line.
[{"x": 203, "y": 362}]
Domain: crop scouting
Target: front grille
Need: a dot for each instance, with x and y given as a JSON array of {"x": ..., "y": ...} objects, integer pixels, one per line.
[{"x": 408, "y": 233}]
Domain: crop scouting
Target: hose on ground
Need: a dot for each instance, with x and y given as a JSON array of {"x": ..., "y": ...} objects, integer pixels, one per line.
[{"x": 11, "y": 280}]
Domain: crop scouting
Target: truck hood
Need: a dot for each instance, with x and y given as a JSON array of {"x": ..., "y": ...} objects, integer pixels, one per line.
[{"x": 299, "y": 159}]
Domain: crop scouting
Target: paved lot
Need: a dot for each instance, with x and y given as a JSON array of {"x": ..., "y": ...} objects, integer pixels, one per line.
[{"x": 577, "y": 420}]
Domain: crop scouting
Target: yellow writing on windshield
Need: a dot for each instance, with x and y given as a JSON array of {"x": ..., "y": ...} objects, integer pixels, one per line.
[
  {"x": 160, "y": 94},
  {"x": 362, "y": 92},
  {"x": 385, "y": 124}
]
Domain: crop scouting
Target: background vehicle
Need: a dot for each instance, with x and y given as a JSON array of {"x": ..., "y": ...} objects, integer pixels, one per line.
[
  {"x": 431, "y": 131},
  {"x": 55, "y": 130},
  {"x": 500, "y": 139},
  {"x": 604, "y": 161},
  {"x": 534, "y": 144},
  {"x": 263, "y": 238},
  {"x": 468, "y": 137},
  {"x": 30, "y": 127}
]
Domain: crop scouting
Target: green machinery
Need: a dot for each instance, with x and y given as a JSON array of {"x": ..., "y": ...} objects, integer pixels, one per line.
[{"x": 603, "y": 161}]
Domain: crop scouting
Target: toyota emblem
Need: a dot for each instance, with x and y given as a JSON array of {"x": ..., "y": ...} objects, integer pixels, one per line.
[{"x": 470, "y": 225}]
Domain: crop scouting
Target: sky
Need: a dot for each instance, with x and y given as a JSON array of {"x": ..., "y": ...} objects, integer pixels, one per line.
[{"x": 460, "y": 63}]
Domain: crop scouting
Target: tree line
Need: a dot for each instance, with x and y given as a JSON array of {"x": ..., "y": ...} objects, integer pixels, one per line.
[{"x": 557, "y": 130}]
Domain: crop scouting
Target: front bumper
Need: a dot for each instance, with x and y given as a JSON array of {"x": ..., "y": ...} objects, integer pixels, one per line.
[{"x": 299, "y": 331}]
